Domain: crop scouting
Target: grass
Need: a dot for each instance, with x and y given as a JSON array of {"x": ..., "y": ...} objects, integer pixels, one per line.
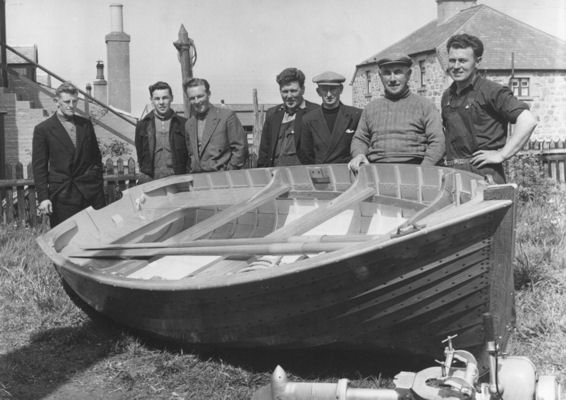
[{"x": 50, "y": 350}]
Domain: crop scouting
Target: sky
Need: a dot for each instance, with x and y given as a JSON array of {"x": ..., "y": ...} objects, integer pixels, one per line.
[{"x": 241, "y": 44}]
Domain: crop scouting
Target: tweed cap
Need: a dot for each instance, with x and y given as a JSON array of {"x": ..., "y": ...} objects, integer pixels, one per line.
[
  {"x": 329, "y": 78},
  {"x": 395, "y": 58}
]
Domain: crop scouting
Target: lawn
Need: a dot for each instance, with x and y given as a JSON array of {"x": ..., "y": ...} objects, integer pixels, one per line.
[{"x": 50, "y": 350}]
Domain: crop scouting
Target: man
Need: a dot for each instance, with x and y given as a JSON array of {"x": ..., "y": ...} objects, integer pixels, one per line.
[
  {"x": 475, "y": 114},
  {"x": 401, "y": 127},
  {"x": 327, "y": 131},
  {"x": 215, "y": 137},
  {"x": 160, "y": 137},
  {"x": 280, "y": 136},
  {"x": 66, "y": 161}
]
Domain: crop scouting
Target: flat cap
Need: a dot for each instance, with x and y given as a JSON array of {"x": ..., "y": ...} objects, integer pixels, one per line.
[
  {"x": 329, "y": 78},
  {"x": 395, "y": 58}
]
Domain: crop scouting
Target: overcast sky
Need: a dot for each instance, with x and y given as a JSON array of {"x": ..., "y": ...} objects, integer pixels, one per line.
[{"x": 241, "y": 44}]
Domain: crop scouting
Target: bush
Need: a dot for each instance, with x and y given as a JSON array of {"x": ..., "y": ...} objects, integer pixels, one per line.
[
  {"x": 114, "y": 148},
  {"x": 527, "y": 171}
]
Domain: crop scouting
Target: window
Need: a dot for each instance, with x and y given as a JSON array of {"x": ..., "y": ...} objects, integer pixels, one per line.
[
  {"x": 520, "y": 87},
  {"x": 422, "y": 70},
  {"x": 368, "y": 81}
]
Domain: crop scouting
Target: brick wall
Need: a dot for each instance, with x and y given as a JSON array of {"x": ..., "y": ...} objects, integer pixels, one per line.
[{"x": 28, "y": 104}]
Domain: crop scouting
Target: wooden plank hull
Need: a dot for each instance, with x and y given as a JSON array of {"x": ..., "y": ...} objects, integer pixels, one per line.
[{"x": 407, "y": 292}]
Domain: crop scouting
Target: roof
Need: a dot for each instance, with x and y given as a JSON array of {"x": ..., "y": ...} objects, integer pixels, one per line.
[
  {"x": 502, "y": 35},
  {"x": 28, "y": 51}
]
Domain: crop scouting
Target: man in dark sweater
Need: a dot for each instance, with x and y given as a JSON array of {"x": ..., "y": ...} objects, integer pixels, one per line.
[
  {"x": 401, "y": 127},
  {"x": 327, "y": 131},
  {"x": 281, "y": 133},
  {"x": 160, "y": 137}
]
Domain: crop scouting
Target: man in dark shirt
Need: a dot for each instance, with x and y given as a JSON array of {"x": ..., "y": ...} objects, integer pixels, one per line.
[
  {"x": 160, "y": 137},
  {"x": 401, "y": 127},
  {"x": 327, "y": 131},
  {"x": 280, "y": 136},
  {"x": 475, "y": 114}
]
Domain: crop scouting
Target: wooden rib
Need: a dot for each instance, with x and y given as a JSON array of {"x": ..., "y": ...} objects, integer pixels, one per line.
[
  {"x": 359, "y": 191},
  {"x": 446, "y": 196},
  {"x": 276, "y": 187}
]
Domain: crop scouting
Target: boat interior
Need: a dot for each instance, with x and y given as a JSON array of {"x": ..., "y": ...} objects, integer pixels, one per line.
[{"x": 240, "y": 221}]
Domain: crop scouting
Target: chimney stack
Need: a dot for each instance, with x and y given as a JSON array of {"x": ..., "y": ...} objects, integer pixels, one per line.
[
  {"x": 118, "y": 58},
  {"x": 100, "y": 85},
  {"x": 446, "y": 9}
]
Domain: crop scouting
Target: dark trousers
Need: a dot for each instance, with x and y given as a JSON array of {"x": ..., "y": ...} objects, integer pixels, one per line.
[
  {"x": 494, "y": 170},
  {"x": 69, "y": 202}
]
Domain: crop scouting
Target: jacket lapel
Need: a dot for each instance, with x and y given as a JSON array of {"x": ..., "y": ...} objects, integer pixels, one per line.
[
  {"x": 193, "y": 137},
  {"x": 338, "y": 133},
  {"x": 212, "y": 120},
  {"x": 277, "y": 120},
  {"x": 59, "y": 133}
]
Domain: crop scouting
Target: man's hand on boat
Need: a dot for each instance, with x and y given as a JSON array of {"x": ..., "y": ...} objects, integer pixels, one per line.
[
  {"x": 45, "y": 207},
  {"x": 356, "y": 162}
]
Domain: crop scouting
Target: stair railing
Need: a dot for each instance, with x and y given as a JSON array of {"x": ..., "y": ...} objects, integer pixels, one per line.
[{"x": 85, "y": 94}]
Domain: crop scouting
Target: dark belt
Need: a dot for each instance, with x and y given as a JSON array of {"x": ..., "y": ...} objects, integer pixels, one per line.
[{"x": 456, "y": 161}]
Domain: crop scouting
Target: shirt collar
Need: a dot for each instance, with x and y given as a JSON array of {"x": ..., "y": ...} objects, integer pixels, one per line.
[
  {"x": 64, "y": 118},
  {"x": 302, "y": 106},
  {"x": 472, "y": 84}
]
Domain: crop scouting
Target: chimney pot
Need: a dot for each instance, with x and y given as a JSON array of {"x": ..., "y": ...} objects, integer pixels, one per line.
[
  {"x": 100, "y": 70},
  {"x": 116, "y": 18}
]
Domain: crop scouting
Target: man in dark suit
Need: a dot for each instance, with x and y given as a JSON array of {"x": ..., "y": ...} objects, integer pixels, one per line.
[
  {"x": 281, "y": 133},
  {"x": 327, "y": 131},
  {"x": 66, "y": 160},
  {"x": 215, "y": 137},
  {"x": 160, "y": 137}
]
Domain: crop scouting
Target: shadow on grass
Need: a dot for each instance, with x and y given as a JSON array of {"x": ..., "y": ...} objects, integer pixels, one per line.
[
  {"x": 308, "y": 364},
  {"x": 53, "y": 358}
]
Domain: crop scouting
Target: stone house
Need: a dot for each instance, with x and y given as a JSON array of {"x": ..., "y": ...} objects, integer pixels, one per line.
[{"x": 518, "y": 55}]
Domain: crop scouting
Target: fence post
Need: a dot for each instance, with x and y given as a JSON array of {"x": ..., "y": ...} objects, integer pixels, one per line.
[
  {"x": 121, "y": 183},
  {"x": 20, "y": 193},
  {"x": 109, "y": 183},
  {"x": 9, "y": 195},
  {"x": 131, "y": 171}
]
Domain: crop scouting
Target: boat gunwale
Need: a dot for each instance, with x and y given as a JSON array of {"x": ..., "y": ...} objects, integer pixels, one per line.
[{"x": 478, "y": 209}]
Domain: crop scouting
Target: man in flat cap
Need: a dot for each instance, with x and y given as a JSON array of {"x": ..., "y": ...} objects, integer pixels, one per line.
[
  {"x": 401, "y": 127},
  {"x": 327, "y": 131},
  {"x": 280, "y": 135}
]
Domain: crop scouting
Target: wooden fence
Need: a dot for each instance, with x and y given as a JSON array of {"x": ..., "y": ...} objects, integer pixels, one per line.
[{"x": 19, "y": 199}]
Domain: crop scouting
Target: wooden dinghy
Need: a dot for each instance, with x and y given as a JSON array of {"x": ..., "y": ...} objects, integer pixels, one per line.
[{"x": 397, "y": 257}]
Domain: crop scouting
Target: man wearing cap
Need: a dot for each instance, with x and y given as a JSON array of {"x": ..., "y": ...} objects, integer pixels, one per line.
[
  {"x": 327, "y": 131},
  {"x": 280, "y": 136},
  {"x": 401, "y": 127},
  {"x": 476, "y": 112}
]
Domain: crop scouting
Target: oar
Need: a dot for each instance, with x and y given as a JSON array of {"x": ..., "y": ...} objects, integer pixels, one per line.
[
  {"x": 231, "y": 250},
  {"x": 235, "y": 242}
]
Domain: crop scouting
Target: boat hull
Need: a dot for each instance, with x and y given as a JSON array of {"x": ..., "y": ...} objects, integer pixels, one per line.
[{"x": 407, "y": 293}]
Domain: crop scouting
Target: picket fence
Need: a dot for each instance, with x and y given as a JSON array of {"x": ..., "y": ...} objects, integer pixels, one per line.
[{"x": 19, "y": 199}]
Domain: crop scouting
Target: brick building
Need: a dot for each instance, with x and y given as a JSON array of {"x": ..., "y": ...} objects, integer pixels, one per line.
[{"x": 532, "y": 62}]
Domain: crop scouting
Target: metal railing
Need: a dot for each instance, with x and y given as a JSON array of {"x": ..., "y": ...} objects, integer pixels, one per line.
[{"x": 85, "y": 94}]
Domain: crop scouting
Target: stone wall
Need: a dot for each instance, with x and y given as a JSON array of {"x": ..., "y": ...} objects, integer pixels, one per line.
[
  {"x": 547, "y": 100},
  {"x": 547, "y": 97},
  {"x": 434, "y": 81}
]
